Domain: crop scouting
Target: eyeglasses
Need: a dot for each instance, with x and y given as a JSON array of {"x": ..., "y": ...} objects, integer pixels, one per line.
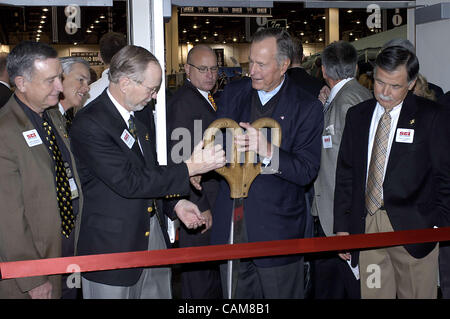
[
  {"x": 204, "y": 69},
  {"x": 151, "y": 91}
]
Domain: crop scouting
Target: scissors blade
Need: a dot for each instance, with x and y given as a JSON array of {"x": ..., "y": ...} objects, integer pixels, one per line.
[{"x": 237, "y": 236}]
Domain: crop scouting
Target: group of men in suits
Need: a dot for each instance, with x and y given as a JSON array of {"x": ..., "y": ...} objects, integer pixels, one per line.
[{"x": 378, "y": 164}]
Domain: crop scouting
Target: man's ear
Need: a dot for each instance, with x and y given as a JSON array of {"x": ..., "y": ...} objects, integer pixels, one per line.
[
  {"x": 411, "y": 84},
  {"x": 19, "y": 82},
  {"x": 285, "y": 65},
  {"x": 124, "y": 83}
]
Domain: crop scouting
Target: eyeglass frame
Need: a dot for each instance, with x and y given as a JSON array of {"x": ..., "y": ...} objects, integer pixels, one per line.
[
  {"x": 205, "y": 69},
  {"x": 153, "y": 90}
]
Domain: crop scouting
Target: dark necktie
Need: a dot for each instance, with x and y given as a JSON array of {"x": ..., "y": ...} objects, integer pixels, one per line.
[
  {"x": 63, "y": 191},
  {"x": 68, "y": 115},
  {"x": 374, "y": 187},
  {"x": 132, "y": 127}
]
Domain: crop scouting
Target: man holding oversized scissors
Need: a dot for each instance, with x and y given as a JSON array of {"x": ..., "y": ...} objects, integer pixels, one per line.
[{"x": 275, "y": 207}]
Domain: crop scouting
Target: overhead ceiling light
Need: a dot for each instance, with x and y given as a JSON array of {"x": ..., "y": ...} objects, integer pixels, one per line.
[
  {"x": 43, "y": 17},
  {"x": 207, "y": 21},
  {"x": 45, "y": 9},
  {"x": 194, "y": 26},
  {"x": 358, "y": 22},
  {"x": 40, "y": 26},
  {"x": 356, "y": 39},
  {"x": 351, "y": 33},
  {"x": 293, "y": 11},
  {"x": 320, "y": 30},
  {"x": 102, "y": 16},
  {"x": 215, "y": 34},
  {"x": 204, "y": 37},
  {"x": 324, "y": 17},
  {"x": 39, "y": 31},
  {"x": 224, "y": 42},
  {"x": 75, "y": 43},
  {"x": 97, "y": 21},
  {"x": 234, "y": 39},
  {"x": 306, "y": 22},
  {"x": 42, "y": 22},
  {"x": 92, "y": 27},
  {"x": 302, "y": 33},
  {"x": 184, "y": 30},
  {"x": 88, "y": 31},
  {"x": 196, "y": 40},
  {"x": 306, "y": 41},
  {"x": 349, "y": 11}
]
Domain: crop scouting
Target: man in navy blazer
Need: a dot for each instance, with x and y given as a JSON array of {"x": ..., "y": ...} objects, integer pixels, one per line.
[
  {"x": 114, "y": 144},
  {"x": 415, "y": 185},
  {"x": 275, "y": 208}
]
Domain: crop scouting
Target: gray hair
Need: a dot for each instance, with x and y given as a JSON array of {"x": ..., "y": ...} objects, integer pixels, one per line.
[
  {"x": 131, "y": 61},
  {"x": 400, "y": 43},
  {"x": 20, "y": 61},
  {"x": 68, "y": 62},
  {"x": 339, "y": 60},
  {"x": 285, "y": 45}
]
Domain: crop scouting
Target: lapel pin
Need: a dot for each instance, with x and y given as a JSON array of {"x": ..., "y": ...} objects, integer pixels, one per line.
[
  {"x": 282, "y": 117},
  {"x": 412, "y": 122},
  {"x": 147, "y": 137}
]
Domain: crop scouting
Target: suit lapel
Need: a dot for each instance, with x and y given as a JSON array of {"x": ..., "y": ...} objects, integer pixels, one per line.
[
  {"x": 114, "y": 123},
  {"x": 362, "y": 131},
  {"x": 407, "y": 113},
  {"x": 39, "y": 151}
]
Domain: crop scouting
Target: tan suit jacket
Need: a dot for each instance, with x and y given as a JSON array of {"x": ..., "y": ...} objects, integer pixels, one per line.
[{"x": 30, "y": 225}]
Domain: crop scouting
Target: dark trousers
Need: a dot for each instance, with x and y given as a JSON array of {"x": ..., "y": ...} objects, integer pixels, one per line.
[
  {"x": 333, "y": 278},
  {"x": 444, "y": 269},
  {"x": 281, "y": 282},
  {"x": 198, "y": 280}
]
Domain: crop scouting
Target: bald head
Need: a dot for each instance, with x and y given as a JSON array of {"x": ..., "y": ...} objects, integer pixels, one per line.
[{"x": 201, "y": 67}]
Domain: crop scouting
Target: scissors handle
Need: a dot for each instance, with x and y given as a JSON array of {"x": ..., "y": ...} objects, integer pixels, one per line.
[{"x": 240, "y": 177}]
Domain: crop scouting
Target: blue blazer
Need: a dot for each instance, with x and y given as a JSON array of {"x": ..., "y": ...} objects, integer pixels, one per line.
[{"x": 275, "y": 208}]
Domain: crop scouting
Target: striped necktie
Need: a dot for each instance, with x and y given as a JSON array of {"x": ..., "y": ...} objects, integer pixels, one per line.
[
  {"x": 374, "y": 187},
  {"x": 211, "y": 99}
]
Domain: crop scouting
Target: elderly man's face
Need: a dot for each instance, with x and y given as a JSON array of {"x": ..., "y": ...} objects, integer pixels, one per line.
[
  {"x": 75, "y": 86},
  {"x": 201, "y": 59},
  {"x": 42, "y": 91},
  {"x": 265, "y": 72},
  {"x": 140, "y": 94}
]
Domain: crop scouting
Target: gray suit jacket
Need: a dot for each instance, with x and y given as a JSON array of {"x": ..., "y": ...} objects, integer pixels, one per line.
[
  {"x": 350, "y": 94},
  {"x": 30, "y": 224}
]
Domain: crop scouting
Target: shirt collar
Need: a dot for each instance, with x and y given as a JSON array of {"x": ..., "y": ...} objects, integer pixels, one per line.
[
  {"x": 6, "y": 84},
  {"x": 264, "y": 96},
  {"x": 335, "y": 90},
  {"x": 123, "y": 112}
]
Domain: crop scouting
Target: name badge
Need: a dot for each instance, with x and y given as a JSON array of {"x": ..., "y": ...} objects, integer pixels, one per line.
[
  {"x": 73, "y": 188},
  {"x": 404, "y": 135},
  {"x": 32, "y": 138},
  {"x": 326, "y": 141},
  {"x": 127, "y": 138}
]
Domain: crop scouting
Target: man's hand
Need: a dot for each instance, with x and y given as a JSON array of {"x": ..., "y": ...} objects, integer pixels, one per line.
[
  {"x": 205, "y": 159},
  {"x": 195, "y": 181},
  {"x": 344, "y": 256},
  {"x": 253, "y": 140},
  {"x": 189, "y": 214},
  {"x": 43, "y": 291},
  {"x": 207, "y": 216},
  {"x": 324, "y": 93}
]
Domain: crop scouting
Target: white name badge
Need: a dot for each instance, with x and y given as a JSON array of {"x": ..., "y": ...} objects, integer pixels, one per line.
[
  {"x": 127, "y": 138},
  {"x": 404, "y": 135},
  {"x": 326, "y": 141},
  {"x": 32, "y": 138},
  {"x": 73, "y": 188}
]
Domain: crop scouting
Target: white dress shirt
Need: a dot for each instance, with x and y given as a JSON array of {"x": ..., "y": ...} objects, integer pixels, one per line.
[{"x": 98, "y": 87}]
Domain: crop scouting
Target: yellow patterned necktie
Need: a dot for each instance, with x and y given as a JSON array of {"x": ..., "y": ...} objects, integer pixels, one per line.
[
  {"x": 63, "y": 191},
  {"x": 211, "y": 99},
  {"x": 374, "y": 187}
]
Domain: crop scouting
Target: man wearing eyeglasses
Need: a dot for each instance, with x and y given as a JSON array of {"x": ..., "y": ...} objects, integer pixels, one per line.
[
  {"x": 114, "y": 142},
  {"x": 191, "y": 110}
]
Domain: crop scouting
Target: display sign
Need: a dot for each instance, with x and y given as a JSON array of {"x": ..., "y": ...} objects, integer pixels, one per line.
[
  {"x": 92, "y": 57},
  {"x": 226, "y": 12}
]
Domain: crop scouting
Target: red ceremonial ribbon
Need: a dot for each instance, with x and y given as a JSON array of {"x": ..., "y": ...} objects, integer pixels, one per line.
[{"x": 50, "y": 266}]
